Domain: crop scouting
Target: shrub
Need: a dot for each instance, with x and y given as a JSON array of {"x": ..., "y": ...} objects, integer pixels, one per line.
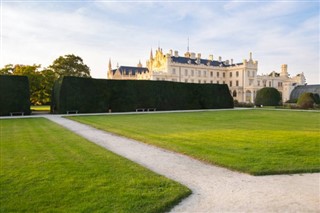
[
  {"x": 242, "y": 104},
  {"x": 98, "y": 95},
  {"x": 268, "y": 96},
  {"x": 14, "y": 94},
  {"x": 306, "y": 100},
  {"x": 316, "y": 98}
]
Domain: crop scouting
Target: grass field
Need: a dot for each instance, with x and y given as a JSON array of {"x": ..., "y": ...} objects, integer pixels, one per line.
[
  {"x": 258, "y": 142},
  {"x": 45, "y": 168},
  {"x": 40, "y": 108}
]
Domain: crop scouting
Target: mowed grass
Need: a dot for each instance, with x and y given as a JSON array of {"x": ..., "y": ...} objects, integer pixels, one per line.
[
  {"x": 46, "y": 168},
  {"x": 258, "y": 142},
  {"x": 40, "y": 108}
]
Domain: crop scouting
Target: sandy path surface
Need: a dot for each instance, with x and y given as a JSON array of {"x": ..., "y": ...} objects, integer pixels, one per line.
[{"x": 215, "y": 189}]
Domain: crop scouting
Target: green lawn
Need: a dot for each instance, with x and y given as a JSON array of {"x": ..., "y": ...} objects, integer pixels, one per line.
[
  {"x": 258, "y": 142},
  {"x": 41, "y": 108},
  {"x": 46, "y": 168}
]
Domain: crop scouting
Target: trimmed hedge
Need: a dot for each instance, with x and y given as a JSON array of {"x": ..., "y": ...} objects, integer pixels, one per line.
[
  {"x": 89, "y": 95},
  {"x": 268, "y": 96},
  {"x": 14, "y": 94}
]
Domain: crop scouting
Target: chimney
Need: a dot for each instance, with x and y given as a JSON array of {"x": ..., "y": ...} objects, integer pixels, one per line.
[
  {"x": 227, "y": 62},
  {"x": 220, "y": 58},
  {"x": 231, "y": 61},
  {"x": 210, "y": 57},
  {"x": 176, "y": 53},
  {"x": 170, "y": 52},
  {"x": 193, "y": 56},
  {"x": 199, "y": 55}
]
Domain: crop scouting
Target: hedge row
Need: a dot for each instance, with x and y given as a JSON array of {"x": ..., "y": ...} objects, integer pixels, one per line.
[
  {"x": 14, "y": 94},
  {"x": 89, "y": 95}
]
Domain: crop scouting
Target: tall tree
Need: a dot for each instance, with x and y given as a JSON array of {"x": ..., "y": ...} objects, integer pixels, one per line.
[
  {"x": 70, "y": 65},
  {"x": 40, "y": 81},
  {"x": 7, "y": 70}
]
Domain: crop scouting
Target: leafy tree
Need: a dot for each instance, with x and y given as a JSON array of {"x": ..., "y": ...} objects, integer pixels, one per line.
[
  {"x": 306, "y": 100},
  {"x": 40, "y": 81},
  {"x": 70, "y": 65},
  {"x": 268, "y": 96},
  {"x": 7, "y": 70}
]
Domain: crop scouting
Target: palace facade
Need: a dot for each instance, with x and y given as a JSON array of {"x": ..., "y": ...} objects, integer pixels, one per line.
[{"x": 242, "y": 78}]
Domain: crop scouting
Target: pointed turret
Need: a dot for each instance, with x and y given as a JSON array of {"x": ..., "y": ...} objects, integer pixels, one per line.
[
  {"x": 109, "y": 66},
  {"x": 151, "y": 55},
  {"x": 139, "y": 64}
]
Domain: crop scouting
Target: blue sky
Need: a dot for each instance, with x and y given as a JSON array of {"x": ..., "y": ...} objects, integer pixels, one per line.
[{"x": 276, "y": 32}]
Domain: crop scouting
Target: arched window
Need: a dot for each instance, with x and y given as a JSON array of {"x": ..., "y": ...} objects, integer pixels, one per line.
[{"x": 234, "y": 94}]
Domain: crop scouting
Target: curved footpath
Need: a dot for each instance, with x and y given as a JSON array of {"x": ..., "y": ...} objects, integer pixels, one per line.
[{"x": 215, "y": 189}]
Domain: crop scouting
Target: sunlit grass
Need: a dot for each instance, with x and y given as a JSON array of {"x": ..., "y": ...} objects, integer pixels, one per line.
[
  {"x": 45, "y": 168},
  {"x": 258, "y": 142},
  {"x": 40, "y": 108}
]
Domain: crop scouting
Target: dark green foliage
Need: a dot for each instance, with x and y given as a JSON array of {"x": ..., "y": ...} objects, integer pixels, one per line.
[
  {"x": 97, "y": 95},
  {"x": 316, "y": 98},
  {"x": 70, "y": 65},
  {"x": 306, "y": 100},
  {"x": 268, "y": 96},
  {"x": 14, "y": 94}
]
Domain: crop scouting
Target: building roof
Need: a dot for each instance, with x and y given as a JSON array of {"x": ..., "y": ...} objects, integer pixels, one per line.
[
  {"x": 126, "y": 70},
  {"x": 186, "y": 60},
  {"x": 296, "y": 92}
]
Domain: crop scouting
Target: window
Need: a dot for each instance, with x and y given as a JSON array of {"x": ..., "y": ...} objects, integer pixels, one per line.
[
  {"x": 205, "y": 73},
  {"x": 192, "y": 80},
  {"x": 279, "y": 84},
  {"x": 258, "y": 83},
  {"x": 158, "y": 79},
  {"x": 211, "y": 82},
  {"x": 224, "y": 74},
  {"x": 237, "y": 83},
  {"x": 237, "y": 74},
  {"x": 199, "y": 81},
  {"x": 234, "y": 94},
  {"x": 211, "y": 74},
  {"x": 192, "y": 73},
  {"x": 250, "y": 82},
  {"x": 224, "y": 82},
  {"x": 186, "y": 80},
  {"x": 230, "y": 74},
  {"x": 174, "y": 71},
  {"x": 204, "y": 81},
  {"x": 186, "y": 72},
  {"x": 217, "y": 82},
  {"x": 174, "y": 79},
  {"x": 218, "y": 74},
  {"x": 199, "y": 73},
  {"x": 269, "y": 83},
  {"x": 230, "y": 83},
  {"x": 248, "y": 73}
]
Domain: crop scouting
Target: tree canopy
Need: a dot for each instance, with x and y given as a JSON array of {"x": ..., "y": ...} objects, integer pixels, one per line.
[
  {"x": 41, "y": 80},
  {"x": 70, "y": 65}
]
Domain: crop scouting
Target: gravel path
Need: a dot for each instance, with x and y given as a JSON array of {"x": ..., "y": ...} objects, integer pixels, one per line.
[{"x": 215, "y": 189}]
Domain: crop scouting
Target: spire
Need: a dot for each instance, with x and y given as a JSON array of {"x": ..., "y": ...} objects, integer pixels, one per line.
[
  {"x": 139, "y": 64},
  {"x": 151, "y": 55},
  {"x": 188, "y": 45},
  {"x": 250, "y": 56},
  {"x": 109, "y": 67}
]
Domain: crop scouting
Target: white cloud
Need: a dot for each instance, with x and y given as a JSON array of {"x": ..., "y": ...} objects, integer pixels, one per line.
[{"x": 40, "y": 32}]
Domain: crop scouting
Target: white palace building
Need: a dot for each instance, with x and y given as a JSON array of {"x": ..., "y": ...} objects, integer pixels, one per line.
[{"x": 242, "y": 78}]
